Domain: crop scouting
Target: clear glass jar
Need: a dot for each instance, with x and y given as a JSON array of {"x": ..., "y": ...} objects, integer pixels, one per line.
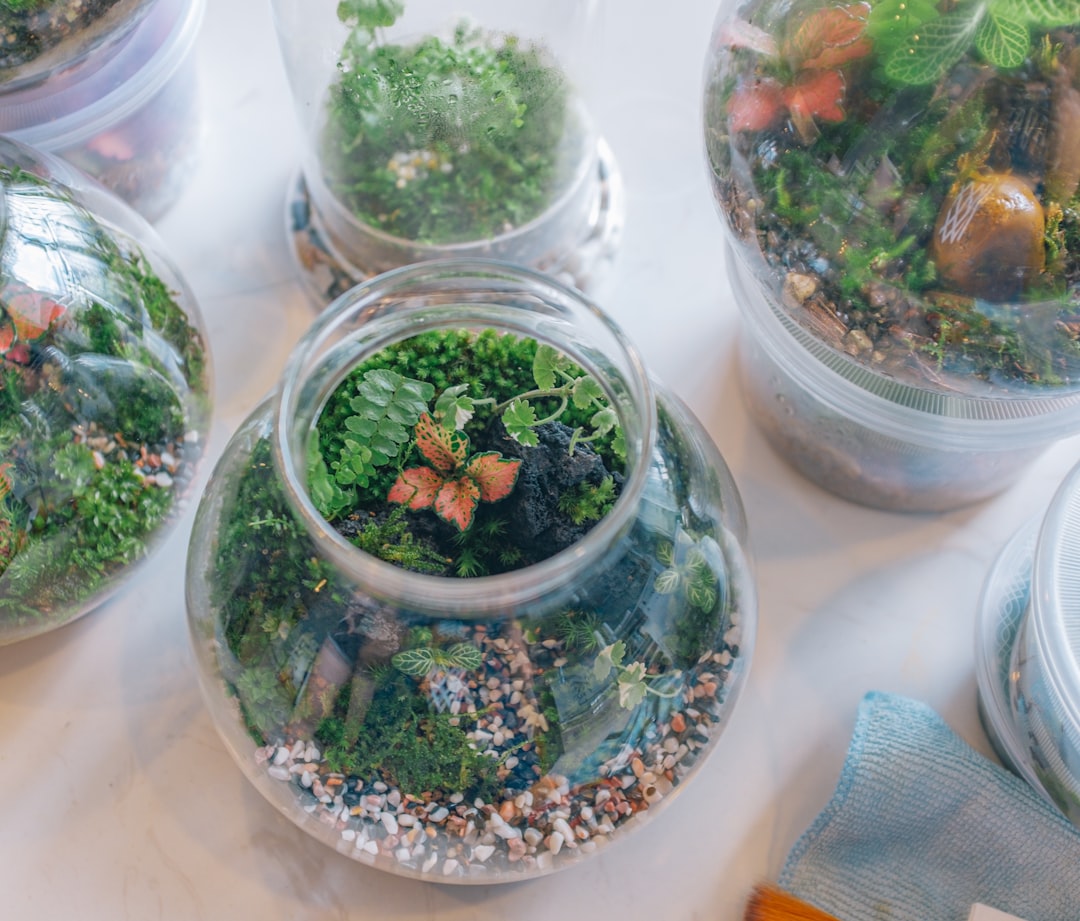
[
  {"x": 104, "y": 392},
  {"x": 48, "y": 39},
  {"x": 1028, "y": 652},
  {"x": 134, "y": 123},
  {"x": 434, "y": 134},
  {"x": 902, "y": 239},
  {"x": 595, "y": 681}
]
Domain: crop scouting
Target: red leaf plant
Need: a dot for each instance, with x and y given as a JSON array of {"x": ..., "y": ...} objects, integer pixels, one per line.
[
  {"x": 826, "y": 40},
  {"x": 25, "y": 315},
  {"x": 453, "y": 485}
]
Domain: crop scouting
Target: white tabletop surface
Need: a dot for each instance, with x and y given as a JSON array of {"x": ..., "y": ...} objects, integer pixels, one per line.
[{"x": 119, "y": 801}]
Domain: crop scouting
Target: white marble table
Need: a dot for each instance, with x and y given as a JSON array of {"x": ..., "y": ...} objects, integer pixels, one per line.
[{"x": 118, "y": 801}]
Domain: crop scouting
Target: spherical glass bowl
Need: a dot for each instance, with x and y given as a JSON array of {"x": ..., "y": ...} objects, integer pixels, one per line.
[
  {"x": 484, "y": 728},
  {"x": 104, "y": 392}
]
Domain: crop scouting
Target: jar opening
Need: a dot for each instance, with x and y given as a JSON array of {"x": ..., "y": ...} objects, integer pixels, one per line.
[{"x": 473, "y": 295}]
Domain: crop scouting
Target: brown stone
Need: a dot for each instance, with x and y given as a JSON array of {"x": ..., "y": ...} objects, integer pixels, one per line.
[{"x": 988, "y": 240}]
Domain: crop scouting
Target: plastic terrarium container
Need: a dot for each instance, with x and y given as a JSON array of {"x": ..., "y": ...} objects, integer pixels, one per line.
[
  {"x": 134, "y": 122},
  {"x": 899, "y": 185},
  {"x": 469, "y": 595},
  {"x": 40, "y": 39},
  {"x": 104, "y": 393},
  {"x": 1028, "y": 652},
  {"x": 433, "y": 133}
]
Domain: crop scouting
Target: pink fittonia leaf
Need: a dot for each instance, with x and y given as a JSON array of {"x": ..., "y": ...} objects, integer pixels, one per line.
[
  {"x": 445, "y": 450},
  {"x": 754, "y": 108},
  {"x": 816, "y": 95},
  {"x": 7, "y": 335},
  {"x": 829, "y": 37},
  {"x": 494, "y": 474},
  {"x": 31, "y": 312},
  {"x": 416, "y": 487},
  {"x": 456, "y": 502}
]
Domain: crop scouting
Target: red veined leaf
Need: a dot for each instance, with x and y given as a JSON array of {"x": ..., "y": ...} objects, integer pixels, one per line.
[
  {"x": 32, "y": 313},
  {"x": 416, "y": 488},
  {"x": 18, "y": 353},
  {"x": 494, "y": 474},
  {"x": 755, "y": 108},
  {"x": 7, "y": 334},
  {"x": 5, "y": 480},
  {"x": 834, "y": 57},
  {"x": 456, "y": 502},
  {"x": 816, "y": 95},
  {"x": 829, "y": 28},
  {"x": 445, "y": 450}
]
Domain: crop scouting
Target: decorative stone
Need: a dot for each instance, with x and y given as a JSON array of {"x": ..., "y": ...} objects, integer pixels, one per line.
[{"x": 988, "y": 240}]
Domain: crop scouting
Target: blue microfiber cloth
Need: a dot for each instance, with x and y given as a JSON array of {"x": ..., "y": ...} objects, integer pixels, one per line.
[{"x": 921, "y": 826}]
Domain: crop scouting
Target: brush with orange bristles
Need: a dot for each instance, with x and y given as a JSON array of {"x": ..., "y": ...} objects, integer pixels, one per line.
[{"x": 770, "y": 903}]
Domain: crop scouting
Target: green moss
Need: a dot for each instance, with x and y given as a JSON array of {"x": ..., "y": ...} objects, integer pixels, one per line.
[
  {"x": 404, "y": 743},
  {"x": 479, "y": 118}
]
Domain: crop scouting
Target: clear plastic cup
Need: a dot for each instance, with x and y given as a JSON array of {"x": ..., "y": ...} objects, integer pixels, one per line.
[
  {"x": 903, "y": 242},
  {"x": 54, "y": 39},
  {"x": 134, "y": 123},
  {"x": 1028, "y": 652},
  {"x": 873, "y": 439}
]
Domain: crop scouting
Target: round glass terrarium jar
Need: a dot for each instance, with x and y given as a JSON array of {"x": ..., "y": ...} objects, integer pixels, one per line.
[
  {"x": 1028, "y": 652},
  {"x": 505, "y": 724},
  {"x": 104, "y": 392},
  {"x": 433, "y": 134},
  {"x": 43, "y": 39},
  {"x": 899, "y": 185}
]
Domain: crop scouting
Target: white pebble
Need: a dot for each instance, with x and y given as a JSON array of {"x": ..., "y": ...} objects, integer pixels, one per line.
[
  {"x": 407, "y": 820},
  {"x": 563, "y": 828},
  {"x": 554, "y": 842},
  {"x": 456, "y": 798},
  {"x": 349, "y": 834},
  {"x": 278, "y": 772},
  {"x": 282, "y": 755},
  {"x": 306, "y": 778},
  {"x": 389, "y": 822},
  {"x": 311, "y": 753},
  {"x": 403, "y": 854},
  {"x": 533, "y": 836},
  {"x": 449, "y": 867},
  {"x": 393, "y": 798},
  {"x": 379, "y": 787},
  {"x": 440, "y": 814},
  {"x": 482, "y": 852},
  {"x": 429, "y": 863}
]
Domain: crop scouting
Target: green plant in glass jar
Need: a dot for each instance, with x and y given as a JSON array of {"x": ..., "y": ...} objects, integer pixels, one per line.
[{"x": 457, "y": 598}]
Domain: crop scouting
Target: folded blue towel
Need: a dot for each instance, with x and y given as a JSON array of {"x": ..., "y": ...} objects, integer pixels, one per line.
[{"x": 921, "y": 826}]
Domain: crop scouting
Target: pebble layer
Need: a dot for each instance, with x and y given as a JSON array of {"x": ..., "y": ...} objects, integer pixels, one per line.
[{"x": 539, "y": 829}]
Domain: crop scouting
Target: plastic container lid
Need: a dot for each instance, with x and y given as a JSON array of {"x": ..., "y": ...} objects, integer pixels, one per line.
[{"x": 60, "y": 114}]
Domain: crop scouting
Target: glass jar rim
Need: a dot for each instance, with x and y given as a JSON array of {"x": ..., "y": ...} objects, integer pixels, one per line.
[{"x": 482, "y": 596}]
